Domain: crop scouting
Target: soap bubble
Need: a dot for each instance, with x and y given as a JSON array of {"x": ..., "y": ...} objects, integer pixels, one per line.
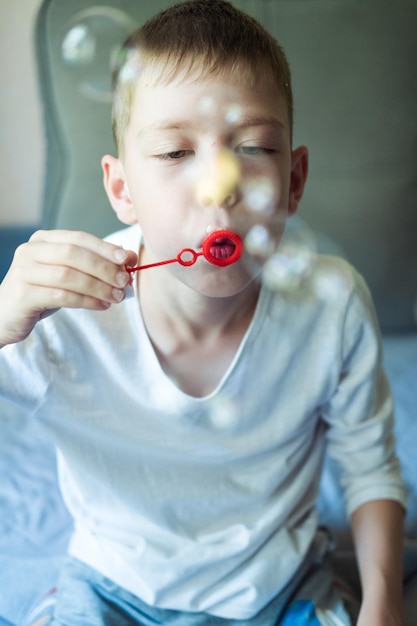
[
  {"x": 129, "y": 64},
  {"x": 206, "y": 107},
  {"x": 223, "y": 412},
  {"x": 259, "y": 242},
  {"x": 232, "y": 113},
  {"x": 292, "y": 263},
  {"x": 220, "y": 178},
  {"x": 90, "y": 43},
  {"x": 329, "y": 285},
  {"x": 79, "y": 45},
  {"x": 260, "y": 195},
  {"x": 287, "y": 269}
]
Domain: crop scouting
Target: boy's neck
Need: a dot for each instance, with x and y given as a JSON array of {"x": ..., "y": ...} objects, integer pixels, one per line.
[
  {"x": 191, "y": 314},
  {"x": 187, "y": 330}
]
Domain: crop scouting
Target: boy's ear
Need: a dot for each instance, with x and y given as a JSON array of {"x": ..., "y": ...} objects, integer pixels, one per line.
[
  {"x": 115, "y": 184},
  {"x": 299, "y": 170}
]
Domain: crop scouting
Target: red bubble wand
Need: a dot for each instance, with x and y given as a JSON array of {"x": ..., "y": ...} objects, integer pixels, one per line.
[{"x": 221, "y": 248}]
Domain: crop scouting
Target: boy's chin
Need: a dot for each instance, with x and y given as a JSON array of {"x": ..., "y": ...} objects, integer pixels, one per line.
[{"x": 222, "y": 282}]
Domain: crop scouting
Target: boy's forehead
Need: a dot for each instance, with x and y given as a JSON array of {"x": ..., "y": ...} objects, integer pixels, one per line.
[{"x": 186, "y": 100}]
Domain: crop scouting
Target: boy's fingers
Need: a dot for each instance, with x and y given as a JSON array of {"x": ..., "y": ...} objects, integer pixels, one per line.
[
  {"x": 62, "y": 279},
  {"x": 63, "y": 298},
  {"x": 64, "y": 251},
  {"x": 67, "y": 265},
  {"x": 75, "y": 240},
  {"x": 79, "y": 239}
]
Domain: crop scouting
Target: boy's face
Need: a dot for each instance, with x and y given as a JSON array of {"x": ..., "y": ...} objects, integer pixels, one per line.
[{"x": 179, "y": 135}]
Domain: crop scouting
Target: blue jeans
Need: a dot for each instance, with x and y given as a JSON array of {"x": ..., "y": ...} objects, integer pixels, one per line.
[{"x": 86, "y": 598}]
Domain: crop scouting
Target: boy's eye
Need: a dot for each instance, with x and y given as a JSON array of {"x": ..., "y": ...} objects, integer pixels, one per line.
[
  {"x": 253, "y": 150},
  {"x": 174, "y": 155}
]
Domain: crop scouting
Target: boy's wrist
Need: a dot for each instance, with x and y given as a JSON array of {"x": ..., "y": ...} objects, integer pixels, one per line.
[
  {"x": 385, "y": 612},
  {"x": 382, "y": 603}
]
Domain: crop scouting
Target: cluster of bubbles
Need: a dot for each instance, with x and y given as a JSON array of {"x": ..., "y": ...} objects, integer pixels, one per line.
[{"x": 286, "y": 261}]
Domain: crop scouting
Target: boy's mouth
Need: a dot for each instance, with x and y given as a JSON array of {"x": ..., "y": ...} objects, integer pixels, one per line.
[{"x": 222, "y": 247}]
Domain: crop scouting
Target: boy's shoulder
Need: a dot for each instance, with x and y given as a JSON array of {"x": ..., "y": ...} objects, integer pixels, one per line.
[
  {"x": 343, "y": 274},
  {"x": 338, "y": 283},
  {"x": 336, "y": 267},
  {"x": 335, "y": 285}
]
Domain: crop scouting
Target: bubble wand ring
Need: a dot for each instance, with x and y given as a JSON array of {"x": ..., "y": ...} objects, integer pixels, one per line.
[{"x": 187, "y": 256}]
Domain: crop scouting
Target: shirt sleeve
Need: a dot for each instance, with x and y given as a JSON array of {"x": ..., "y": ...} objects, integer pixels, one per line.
[
  {"x": 25, "y": 369},
  {"x": 360, "y": 436}
]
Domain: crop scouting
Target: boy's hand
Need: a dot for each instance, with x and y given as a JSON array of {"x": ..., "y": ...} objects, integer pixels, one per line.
[{"x": 57, "y": 269}]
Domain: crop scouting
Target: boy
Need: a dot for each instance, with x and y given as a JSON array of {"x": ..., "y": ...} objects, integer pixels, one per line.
[{"x": 184, "y": 512}]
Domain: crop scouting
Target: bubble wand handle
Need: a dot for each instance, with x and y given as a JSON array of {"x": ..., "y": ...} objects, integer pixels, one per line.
[{"x": 178, "y": 259}]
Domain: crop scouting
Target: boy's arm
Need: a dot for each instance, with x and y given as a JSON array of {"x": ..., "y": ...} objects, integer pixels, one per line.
[
  {"x": 378, "y": 536},
  {"x": 60, "y": 269}
]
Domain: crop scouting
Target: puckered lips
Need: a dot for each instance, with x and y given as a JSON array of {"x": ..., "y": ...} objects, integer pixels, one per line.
[{"x": 222, "y": 247}]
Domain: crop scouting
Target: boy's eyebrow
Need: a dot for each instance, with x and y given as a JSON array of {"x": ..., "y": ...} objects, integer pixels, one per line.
[
  {"x": 244, "y": 122},
  {"x": 168, "y": 125},
  {"x": 256, "y": 120}
]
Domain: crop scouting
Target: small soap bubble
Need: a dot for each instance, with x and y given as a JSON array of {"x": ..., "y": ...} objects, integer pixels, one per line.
[
  {"x": 298, "y": 235},
  {"x": 329, "y": 286},
  {"x": 78, "y": 46},
  {"x": 221, "y": 177},
  {"x": 286, "y": 270},
  {"x": 259, "y": 195},
  {"x": 128, "y": 74},
  {"x": 129, "y": 63},
  {"x": 206, "y": 106},
  {"x": 130, "y": 71},
  {"x": 232, "y": 113},
  {"x": 259, "y": 242},
  {"x": 223, "y": 413}
]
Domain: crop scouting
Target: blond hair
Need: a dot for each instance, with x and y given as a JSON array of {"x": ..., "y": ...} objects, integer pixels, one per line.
[{"x": 205, "y": 37}]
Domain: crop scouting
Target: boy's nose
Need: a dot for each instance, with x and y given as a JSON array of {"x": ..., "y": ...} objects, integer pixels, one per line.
[{"x": 220, "y": 184}]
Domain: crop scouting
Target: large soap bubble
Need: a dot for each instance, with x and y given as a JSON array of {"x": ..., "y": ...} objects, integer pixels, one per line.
[
  {"x": 91, "y": 41},
  {"x": 293, "y": 260}
]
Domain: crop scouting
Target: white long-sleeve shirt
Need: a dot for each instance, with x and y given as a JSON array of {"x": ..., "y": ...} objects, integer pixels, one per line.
[{"x": 208, "y": 504}]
